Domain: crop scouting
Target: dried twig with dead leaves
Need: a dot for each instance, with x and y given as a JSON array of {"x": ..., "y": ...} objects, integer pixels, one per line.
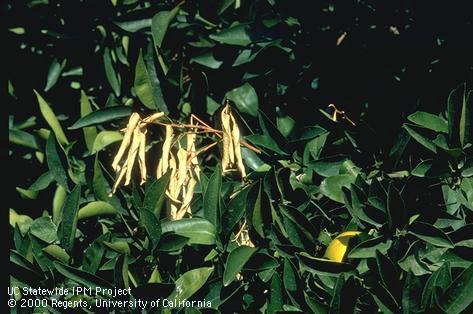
[{"x": 179, "y": 155}]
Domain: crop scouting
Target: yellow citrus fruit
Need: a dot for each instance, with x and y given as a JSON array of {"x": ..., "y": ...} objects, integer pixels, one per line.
[{"x": 338, "y": 248}]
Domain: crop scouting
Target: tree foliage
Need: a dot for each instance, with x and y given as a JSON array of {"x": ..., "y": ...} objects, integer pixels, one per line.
[{"x": 363, "y": 206}]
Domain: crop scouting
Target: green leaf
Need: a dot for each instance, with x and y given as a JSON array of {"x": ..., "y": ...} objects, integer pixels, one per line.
[
  {"x": 105, "y": 138},
  {"x": 429, "y": 121},
  {"x": 82, "y": 277},
  {"x": 99, "y": 183},
  {"x": 57, "y": 252},
  {"x": 332, "y": 186},
  {"x": 133, "y": 26},
  {"x": 458, "y": 295},
  {"x": 234, "y": 211},
  {"x": 44, "y": 229},
  {"x": 212, "y": 196},
  {"x": 345, "y": 295},
  {"x": 190, "y": 282},
  {"x": 430, "y": 234},
  {"x": 155, "y": 194},
  {"x": 160, "y": 24},
  {"x": 120, "y": 272},
  {"x": 112, "y": 76},
  {"x": 42, "y": 182},
  {"x": 421, "y": 139},
  {"x": 285, "y": 125},
  {"x": 69, "y": 219},
  {"x": 411, "y": 294},
  {"x": 94, "y": 253},
  {"x": 300, "y": 220},
  {"x": 58, "y": 201},
  {"x": 55, "y": 164},
  {"x": 207, "y": 59},
  {"x": 411, "y": 261},
  {"x": 147, "y": 86},
  {"x": 198, "y": 230},
  {"x": 321, "y": 266},
  {"x": 387, "y": 271},
  {"x": 97, "y": 208},
  {"x": 275, "y": 295},
  {"x": 355, "y": 206},
  {"x": 265, "y": 141},
  {"x": 51, "y": 119},
  {"x": 235, "y": 262},
  {"x": 27, "y": 194},
  {"x": 119, "y": 246},
  {"x": 152, "y": 226},
  {"x": 465, "y": 118},
  {"x": 441, "y": 278},
  {"x": 90, "y": 132},
  {"x": 234, "y": 35},
  {"x": 54, "y": 71},
  {"x": 101, "y": 116},
  {"x": 257, "y": 217},
  {"x": 395, "y": 208},
  {"x": 37, "y": 247},
  {"x": 368, "y": 248},
  {"x": 459, "y": 106},
  {"x": 22, "y": 138},
  {"x": 245, "y": 99}
]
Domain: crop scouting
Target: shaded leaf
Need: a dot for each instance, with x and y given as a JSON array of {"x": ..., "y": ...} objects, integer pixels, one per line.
[
  {"x": 235, "y": 262},
  {"x": 101, "y": 116},
  {"x": 51, "y": 119}
]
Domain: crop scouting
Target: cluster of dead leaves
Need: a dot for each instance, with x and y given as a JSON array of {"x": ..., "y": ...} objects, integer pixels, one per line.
[{"x": 179, "y": 155}]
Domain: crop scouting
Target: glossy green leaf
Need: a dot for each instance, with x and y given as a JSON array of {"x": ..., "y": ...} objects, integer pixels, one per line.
[
  {"x": 155, "y": 194},
  {"x": 245, "y": 99},
  {"x": 429, "y": 121},
  {"x": 458, "y": 295},
  {"x": 54, "y": 163},
  {"x": 321, "y": 266},
  {"x": 94, "y": 253},
  {"x": 160, "y": 24},
  {"x": 198, "y": 230},
  {"x": 265, "y": 141},
  {"x": 190, "y": 282},
  {"x": 57, "y": 252},
  {"x": 235, "y": 35},
  {"x": 22, "y": 138},
  {"x": 332, "y": 186},
  {"x": 54, "y": 71},
  {"x": 42, "y": 182},
  {"x": 120, "y": 273},
  {"x": 234, "y": 211},
  {"x": 421, "y": 139},
  {"x": 207, "y": 59},
  {"x": 44, "y": 229},
  {"x": 211, "y": 202},
  {"x": 69, "y": 219},
  {"x": 368, "y": 248},
  {"x": 152, "y": 226},
  {"x": 51, "y": 119},
  {"x": 104, "y": 139},
  {"x": 89, "y": 132},
  {"x": 82, "y": 277},
  {"x": 110, "y": 72},
  {"x": 97, "y": 208},
  {"x": 101, "y": 116},
  {"x": 430, "y": 234},
  {"x": 236, "y": 260},
  {"x": 411, "y": 293},
  {"x": 119, "y": 246}
]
